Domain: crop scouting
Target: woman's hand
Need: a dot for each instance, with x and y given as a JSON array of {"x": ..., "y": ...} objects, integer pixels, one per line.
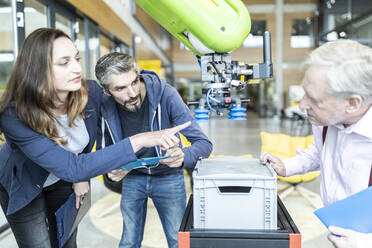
[
  {"x": 164, "y": 138},
  {"x": 118, "y": 174},
  {"x": 80, "y": 190}
]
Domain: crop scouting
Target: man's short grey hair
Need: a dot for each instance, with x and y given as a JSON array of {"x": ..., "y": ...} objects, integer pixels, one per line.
[
  {"x": 114, "y": 63},
  {"x": 348, "y": 67}
]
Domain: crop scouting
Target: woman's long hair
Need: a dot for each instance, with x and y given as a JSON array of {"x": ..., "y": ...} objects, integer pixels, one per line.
[{"x": 30, "y": 86}]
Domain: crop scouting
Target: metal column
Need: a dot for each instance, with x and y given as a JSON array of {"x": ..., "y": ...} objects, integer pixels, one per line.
[{"x": 279, "y": 13}]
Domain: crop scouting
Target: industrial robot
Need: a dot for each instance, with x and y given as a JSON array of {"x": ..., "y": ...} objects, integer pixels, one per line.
[{"x": 211, "y": 29}]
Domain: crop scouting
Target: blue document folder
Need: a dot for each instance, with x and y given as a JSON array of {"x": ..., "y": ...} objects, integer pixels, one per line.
[
  {"x": 353, "y": 212},
  {"x": 143, "y": 162},
  {"x": 68, "y": 217}
]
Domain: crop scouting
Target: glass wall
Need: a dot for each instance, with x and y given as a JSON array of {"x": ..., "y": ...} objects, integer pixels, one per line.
[
  {"x": 362, "y": 31},
  {"x": 122, "y": 48},
  {"x": 63, "y": 24},
  {"x": 94, "y": 48},
  {"x": 80, "y": 44},
  {"x": 49, "y": 13},
  {"x": 302, "y": 35},
  {"x": 35, "y": 16},
  {"x": 349, "y": 19},
  {"x": 107, "y": 45}
]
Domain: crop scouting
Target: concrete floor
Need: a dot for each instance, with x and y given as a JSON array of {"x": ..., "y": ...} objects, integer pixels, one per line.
[{"x": 102, "y": 226}]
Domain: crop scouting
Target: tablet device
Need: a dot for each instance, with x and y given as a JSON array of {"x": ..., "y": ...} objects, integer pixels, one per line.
[
  {"x": 353, "y": 212},
  {"x": 143, "y": 162},
  {"x": 68, "y": 216}
]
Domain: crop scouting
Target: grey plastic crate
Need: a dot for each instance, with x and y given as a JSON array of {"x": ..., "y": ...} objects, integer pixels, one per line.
[{"x": 234, "y": 193}]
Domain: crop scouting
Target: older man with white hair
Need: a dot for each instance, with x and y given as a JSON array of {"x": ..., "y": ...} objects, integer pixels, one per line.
[{"x": 338, "y": 99}]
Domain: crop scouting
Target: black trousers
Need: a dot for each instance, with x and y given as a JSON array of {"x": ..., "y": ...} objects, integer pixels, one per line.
[{"x": 34, "y": 226}]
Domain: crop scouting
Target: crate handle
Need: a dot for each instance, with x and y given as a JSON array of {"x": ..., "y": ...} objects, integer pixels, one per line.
[{"x": 234, "y": 189}]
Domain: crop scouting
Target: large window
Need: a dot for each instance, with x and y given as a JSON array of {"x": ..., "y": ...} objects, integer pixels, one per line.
[
  {"x": 6, "y": 42},
  {"x": 35, "y": 16},
  {"x": 350, "y": 19},
  {"x": 80, "y": 44},
  {"x": 120, "y": 47},
  {"x": 107, "y": 45},
  {"x": 302, "y": 35},
  {"x": 51, "y": 13},
  {"x": 93, "y": 35},
  {"x": 63, "y": 24},
  {"x": 362, "y": 31}
]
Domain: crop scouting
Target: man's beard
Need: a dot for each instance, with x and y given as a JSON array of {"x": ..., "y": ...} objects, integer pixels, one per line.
[{"x": 133, "y": 108}]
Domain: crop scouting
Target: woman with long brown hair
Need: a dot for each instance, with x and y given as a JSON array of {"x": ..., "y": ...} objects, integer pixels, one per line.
[{"x": 50, "y": 116}]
